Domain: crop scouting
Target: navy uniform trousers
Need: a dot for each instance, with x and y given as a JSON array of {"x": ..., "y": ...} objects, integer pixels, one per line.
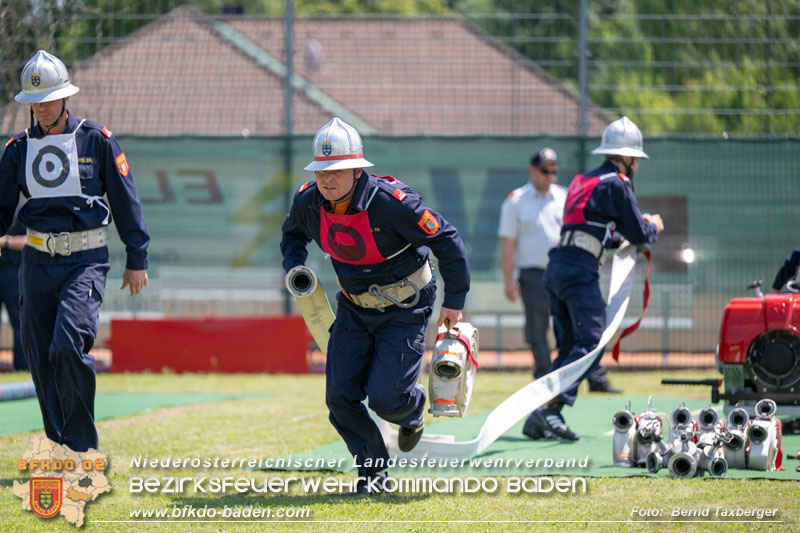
[
  {"x": 59, "y": 316},
  {"x": 536, "y": 301},
  {"x": 9, "y": 296},
  {"x": 578, "y": 309},
  {"x": 377, "y": 356}
]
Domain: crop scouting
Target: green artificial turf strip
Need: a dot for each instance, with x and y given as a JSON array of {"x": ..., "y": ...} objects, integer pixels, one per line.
[
  {"x": 19, "y": 416},
  {"x": 590, "y": 417}
]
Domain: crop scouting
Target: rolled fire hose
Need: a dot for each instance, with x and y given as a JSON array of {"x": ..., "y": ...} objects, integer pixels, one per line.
[
  {"x": 534, "y": 395},
  {"x": 304, "y": 285}
]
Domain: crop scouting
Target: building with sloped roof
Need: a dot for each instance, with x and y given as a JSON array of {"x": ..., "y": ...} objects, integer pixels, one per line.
[{"x": 190, "y": 74}]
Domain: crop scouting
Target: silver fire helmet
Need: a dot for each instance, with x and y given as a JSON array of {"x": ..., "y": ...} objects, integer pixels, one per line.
[
  {"x": 337, "y": 145},
  {"x": 44, "y": 79},
  {"x": 621, "y": 137}
]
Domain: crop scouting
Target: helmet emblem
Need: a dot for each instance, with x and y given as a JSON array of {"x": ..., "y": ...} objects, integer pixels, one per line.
[
  {"x": 326, "y": 148},
  {"x": 35, "y": 79}
]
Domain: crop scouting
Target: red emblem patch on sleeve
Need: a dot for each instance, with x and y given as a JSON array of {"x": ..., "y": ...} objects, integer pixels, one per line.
[
  {"x": 303, "y": 187},
  {"x": 107, "y": 132},
  {"x": 122, "y": 164},
  {"x": 400, "y": 195},
  {"x": 428, "y": 223},
  {"x": 11, "y": 140}
]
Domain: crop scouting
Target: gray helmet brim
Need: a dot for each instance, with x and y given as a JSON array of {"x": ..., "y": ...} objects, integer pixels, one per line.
[
  {"x": 338, "y": 164},
  {"x": 49, "y": 96},
  {"x": 629, "y": 152}
]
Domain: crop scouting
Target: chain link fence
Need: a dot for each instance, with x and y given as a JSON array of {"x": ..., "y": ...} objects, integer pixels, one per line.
[
  {"x": 710, "y": 68},
  {"x": 215, "y": 104}
]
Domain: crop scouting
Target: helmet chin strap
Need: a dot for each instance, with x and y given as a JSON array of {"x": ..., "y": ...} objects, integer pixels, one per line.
[
  {"x": 58, "y": 119},
  {"x": 53, "y": 124},
  {"x": 629, "y": 170},
  {"x": 627, "y": 167},
  {"x": 348, "y": 193}
]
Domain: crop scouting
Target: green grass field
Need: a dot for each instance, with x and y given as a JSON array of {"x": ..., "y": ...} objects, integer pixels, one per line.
[{"x": 291, "y": 418}]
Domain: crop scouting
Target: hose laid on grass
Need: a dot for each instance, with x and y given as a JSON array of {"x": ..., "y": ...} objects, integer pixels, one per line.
[
  {"x": 534, "y": 395},
  {"x": 17, "y": 391}
]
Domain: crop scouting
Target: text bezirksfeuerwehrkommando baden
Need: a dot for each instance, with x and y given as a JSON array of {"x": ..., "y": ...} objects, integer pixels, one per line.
[{"x": 201, "y": 481}]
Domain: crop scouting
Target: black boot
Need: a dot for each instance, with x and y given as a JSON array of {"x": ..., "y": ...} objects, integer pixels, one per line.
[
  {"x": 549, "y": 418},
  {"x": 534, "y": 430},
  {"x": 409, "y": 436}
]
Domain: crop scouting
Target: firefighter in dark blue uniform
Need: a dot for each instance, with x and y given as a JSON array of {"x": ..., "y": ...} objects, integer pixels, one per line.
[
  {"x": 64, "y": 166},
  {"x": 377, "y": 231},
  {"x": 599, "y": 210}
]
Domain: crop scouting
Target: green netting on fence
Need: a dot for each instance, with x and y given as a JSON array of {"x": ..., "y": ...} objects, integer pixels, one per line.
[{"x": 214, "y": 207}]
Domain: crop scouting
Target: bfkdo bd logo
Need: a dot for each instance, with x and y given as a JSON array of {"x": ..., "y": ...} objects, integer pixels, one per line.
[
  {"x": 46, "y": 496},
  {"x": 62, "y": 486}
]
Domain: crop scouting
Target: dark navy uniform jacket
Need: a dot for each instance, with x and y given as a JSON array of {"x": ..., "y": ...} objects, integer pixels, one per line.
[
  {"x": 602, "y": 196},
  {"x": 100, "y": 174},
  {"x": 397, "y": 216},
  {"x": 788, "y": 270}
]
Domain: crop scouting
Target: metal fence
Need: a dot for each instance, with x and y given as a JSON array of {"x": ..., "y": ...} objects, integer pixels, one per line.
[
  {"x": 215, "y": 105},
  {"x": 702, "y": 68}
]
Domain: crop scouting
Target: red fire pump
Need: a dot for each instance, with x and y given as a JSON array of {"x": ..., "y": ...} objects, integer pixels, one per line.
[{"x": 758, "y": 353}]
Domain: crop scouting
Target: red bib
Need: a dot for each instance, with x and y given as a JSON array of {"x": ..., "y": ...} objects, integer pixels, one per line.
[
  {"x": 578, "y": 195},
  {"x": 348, "y": 238}
]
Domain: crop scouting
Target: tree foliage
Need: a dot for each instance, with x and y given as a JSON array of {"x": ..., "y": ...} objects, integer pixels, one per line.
[{"x": 702, "y": 67}]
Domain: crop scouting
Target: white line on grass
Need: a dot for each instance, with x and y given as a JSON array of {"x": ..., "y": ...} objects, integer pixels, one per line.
[{"x": 444, "y": 521}]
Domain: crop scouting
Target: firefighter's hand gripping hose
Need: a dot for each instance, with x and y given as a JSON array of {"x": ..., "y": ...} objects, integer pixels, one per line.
[{"x": 303, "y": 284}]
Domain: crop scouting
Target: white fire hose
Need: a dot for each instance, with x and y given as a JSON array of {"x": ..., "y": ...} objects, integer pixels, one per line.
[
  {"x": 303, "y": 284},
  {"x": 534, "y": 395}
]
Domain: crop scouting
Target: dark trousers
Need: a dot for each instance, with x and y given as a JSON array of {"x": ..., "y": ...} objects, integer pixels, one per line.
[
  {"x": 537, "y": 317},
  {"x": 377, "y": 356},
  {"x": 60, "y": 309},
  {"x": 9, "y": 296},
  {"x": 536, "y": 301},
  {"x": 578, "y": 309}
]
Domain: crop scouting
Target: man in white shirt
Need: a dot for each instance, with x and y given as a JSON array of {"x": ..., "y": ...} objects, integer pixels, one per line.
[{"x": 530, "y": 225}]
